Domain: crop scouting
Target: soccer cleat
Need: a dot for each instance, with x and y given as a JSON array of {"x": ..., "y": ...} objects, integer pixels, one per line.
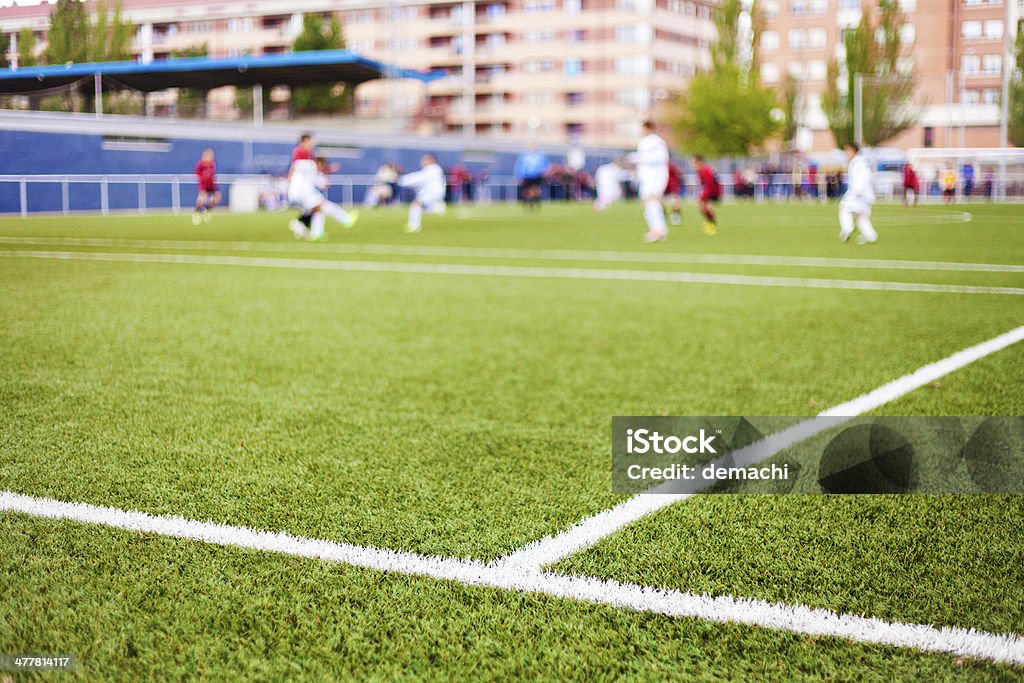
[
  {"x": 710, "y": 228},
  {"x": 353, "y": 216},
  {"x": 652, "y": 236},
  {"x": 844, "y": 236},
  {"x": 197, "y": 218},
  {"x": 863, "y": 240},
  {"x": 322, "y": 237},
  {"x": 207, "y": 216},
  {"x": 409, "y": 228},
  {"x": 298, "y": 229}
]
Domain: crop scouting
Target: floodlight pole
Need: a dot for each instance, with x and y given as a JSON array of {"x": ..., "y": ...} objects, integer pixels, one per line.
[
  {"x": 1004, "y": 105},
  {"x": 858, "y": 108},
  {"x": 98, "y": 84},
  {"x": 257, "y": 105}
]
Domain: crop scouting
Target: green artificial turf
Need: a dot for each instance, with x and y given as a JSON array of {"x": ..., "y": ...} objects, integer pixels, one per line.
[
  {"x": 137, "y": 607},
  {"x": 467, "y": 416}
]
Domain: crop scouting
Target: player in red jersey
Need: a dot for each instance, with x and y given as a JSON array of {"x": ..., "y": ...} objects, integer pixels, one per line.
[
  {"x": 710, "y": 192},
  {"x": 208, "y": 195},
  {"x": 911, "y": 185},
  {"x": 304, "y": 150},
  {"x": 674, "y": 194}
]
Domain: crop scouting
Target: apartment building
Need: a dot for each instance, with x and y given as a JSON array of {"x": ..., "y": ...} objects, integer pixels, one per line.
[
  {"x": 958, "y": 50},
  {"x": 586, "y": 71}
]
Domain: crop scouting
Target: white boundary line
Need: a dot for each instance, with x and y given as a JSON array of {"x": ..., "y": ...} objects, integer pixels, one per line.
[
  {"x": 551, "y": 549},
  {"x": 1001, "y": 648},
  {"x": 518, "y": 253},
  {"x": 514, "y": 271},
  {"x": 523, "y": 570}
]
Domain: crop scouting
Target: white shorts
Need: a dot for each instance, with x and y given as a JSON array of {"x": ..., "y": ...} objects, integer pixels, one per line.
[
  {"x": 430, "y": 201},
  {"x": 855, "y": 205},
  {"x": 305, "y": 197},
  {"x": 652, "y": 183}
]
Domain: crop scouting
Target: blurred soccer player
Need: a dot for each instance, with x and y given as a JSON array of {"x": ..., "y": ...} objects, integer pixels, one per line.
[
  {"x": 529, "y": 170},
  {"x": 608, "y": 181},
  {"x": 208, "y": 195},
  {"x": 674, "y": 194},
  {"x": 651, "y": 159},
  {"x": 710, "y": 193},
  {"x": 302, "y": 191},
  {"x": 860, "y": 195},
  {"x": 429, "y": 184},
  {"x": 302, "y": 225},
  {"x": 911, "y": 185}
]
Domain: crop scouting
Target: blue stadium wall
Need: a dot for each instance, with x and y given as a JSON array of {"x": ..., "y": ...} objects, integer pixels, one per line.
[{"x": 122, "y": 151}]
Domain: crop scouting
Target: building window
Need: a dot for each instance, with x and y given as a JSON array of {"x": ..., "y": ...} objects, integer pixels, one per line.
[
  {"x": 770, "y": 9},
  {"x": 908, "y": 34},
  {"x": 639, "y": 65},
  {"x": 796, "y": 38},
  {"x": 994, "y": 29},
  {"x": 817, "y": 38},
  {"x": 990, "y": 96},
  {"x": 972, "y": 96},
  {"x": 769, "y": 73},
  {"x": 908, "y": 5},
  {"x": 929, "y": 137},
  {"x": 769, "y": 41},
  {"x": 817, "y": 70},
  {"x": 992, "y": 64},
  {"x": 970, "y": 30},
  {"x": 970, "y": 64},
  {"x": 573, "y": 67}
]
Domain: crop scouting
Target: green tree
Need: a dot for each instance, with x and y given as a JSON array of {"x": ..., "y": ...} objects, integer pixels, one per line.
[
  {"x": 1015, "y": 120},
  {"x": 873, "y": 49},
  {"x": 5, "y": 46},
  {"x": 191, "y": 102},
  {"x": 792, "y": 107},
  {"x": 328, "y": 98},
  {"x": 68, "y": 39},
  {"x": 726, "y": 111},
  {"x": 27, "y": 47}
]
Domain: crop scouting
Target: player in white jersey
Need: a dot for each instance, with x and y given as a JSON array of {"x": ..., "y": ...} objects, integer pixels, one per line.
[
  {"x": 859, "y": 197},
  {"x": 608, "y": 179},
  {"x": 303, "y": 192},
  {"x": 429, "y": 184},
  {"x": 651, "y": 159}
]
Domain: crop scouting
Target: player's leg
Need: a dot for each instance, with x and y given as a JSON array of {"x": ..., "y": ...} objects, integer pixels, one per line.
[
  {"x": 654, "y": 216},
  {"x": 346, "y": 218},
  {"x": 301, "y": 226},
  {"x": 316, "y": 231},
  {"x": 845, "y": 223},
  {"x": 867, "y": 230},
  {"x": 675, "y": 210},
  {"x": 197, "y": 213},
  {"x": 415, "y": 222},
  {"x": 710, "y": 219}
]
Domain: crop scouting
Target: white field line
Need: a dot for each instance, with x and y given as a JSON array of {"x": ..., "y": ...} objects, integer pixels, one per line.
[
  {"x": 817, "y": 622},
  {"x": 551, "y": 549},
  {"x": 514, "y": 253},
  {"x": 513, "y": 271}
]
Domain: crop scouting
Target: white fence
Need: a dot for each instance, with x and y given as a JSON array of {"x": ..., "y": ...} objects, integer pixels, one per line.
[{"x": 104, "y": 194}]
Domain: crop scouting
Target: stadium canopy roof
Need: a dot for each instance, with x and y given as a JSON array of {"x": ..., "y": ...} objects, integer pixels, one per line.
[{"x": 291, "y": 69}]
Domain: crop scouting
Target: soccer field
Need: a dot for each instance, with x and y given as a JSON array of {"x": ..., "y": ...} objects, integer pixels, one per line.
[{"x": 422, "y": 426}]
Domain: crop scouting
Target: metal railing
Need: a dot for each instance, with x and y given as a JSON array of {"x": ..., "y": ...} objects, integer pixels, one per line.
[{"x": 105, "y": 194}]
